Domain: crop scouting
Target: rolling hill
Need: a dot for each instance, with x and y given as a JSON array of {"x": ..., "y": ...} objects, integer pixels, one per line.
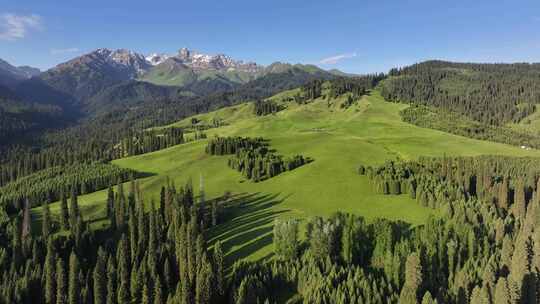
[{"x": 370, "y": 131}]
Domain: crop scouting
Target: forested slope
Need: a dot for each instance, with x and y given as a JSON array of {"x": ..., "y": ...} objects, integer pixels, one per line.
[{"x": 492, "y": 94}]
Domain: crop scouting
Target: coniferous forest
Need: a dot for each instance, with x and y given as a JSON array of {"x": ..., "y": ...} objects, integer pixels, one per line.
[{"x": 100, "y": 207}]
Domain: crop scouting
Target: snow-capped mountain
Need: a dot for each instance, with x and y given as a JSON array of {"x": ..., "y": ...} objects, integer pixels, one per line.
[
  {"x": 155, "y": 58},
  {"x": 199, "y": 61}
]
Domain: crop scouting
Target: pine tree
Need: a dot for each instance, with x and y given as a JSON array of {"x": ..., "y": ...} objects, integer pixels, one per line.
[
  {"x": 50, "y": 273},
  {"x": 519, "y": 267},
  {"x": 74, "y": 212},
  {"x": 74, "y": 283},
  {"x": 61, "y": 282},
  {"x": 64, "y": 212},
  {"x": 286, "y": 239},
  {"x": 219, "y": 269},
  {"x": 413, "y": 280},
  {"x": 158, "y": 293},
  {"x": 503, "y": 194},
  {"x": 27, "y": 221},
  {"x": 203, "y": 286},
  {"x": 519, "y": 199},
  {"x": 100, "y": 279},
  {"x": 110, "y": 207},
  {"x": 46, "y": 221},
  {"x": 111, "y": 281},
  {"x": 502, "y": 294},
  {"x": 428, "y": 299}
]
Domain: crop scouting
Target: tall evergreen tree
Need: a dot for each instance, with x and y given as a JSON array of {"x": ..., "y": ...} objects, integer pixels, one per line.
[
  {"x": 50, "y": 273},
  {"x": 61, "y": 282},
  {"x": 46, "y": 221},
  {"x": 413, "y": 280},
  {"x": 111, "y": 281},
  {"x": 100, "y": 279},
  {"x": 74, "y": 283},
  {"x": 502, "y": 293},
  {"x": 64, "y": 212},
  {"x": 74, "y": 211},
  {"x": 219, "y": 269}
]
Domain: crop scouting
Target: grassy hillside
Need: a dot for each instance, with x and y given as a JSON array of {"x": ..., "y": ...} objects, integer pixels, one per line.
[{"x": 368, "y": 132}]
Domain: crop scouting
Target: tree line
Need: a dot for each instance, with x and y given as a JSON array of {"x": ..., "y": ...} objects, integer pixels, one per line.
[
  {"x": 54, "y": 182},
  {"x": 253, "y": 158},
  {"x": 328, "y": 89},
  {"x": 455, "y": 123},
  {"x": 19, "y": 161},
  {"x": 266, "y": 107},
  {"x": 480, "y": 247},
  {"x": 492, "y": 94}
]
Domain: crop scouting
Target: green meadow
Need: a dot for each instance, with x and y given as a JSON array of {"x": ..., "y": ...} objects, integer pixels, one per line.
[{"x": 369, "y": 132}]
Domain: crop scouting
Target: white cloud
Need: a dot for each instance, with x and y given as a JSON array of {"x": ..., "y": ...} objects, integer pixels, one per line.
[
  {"x": 13, "y": 27},
  {"x": 64, "y": 51},
  {"x": 337, "y": 58}
]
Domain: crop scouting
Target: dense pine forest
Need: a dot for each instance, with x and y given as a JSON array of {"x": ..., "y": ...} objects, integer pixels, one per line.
[
  {"x": 479, "y": 244},
  {"x": 481, "y": 248},
  {"x": 491, "y": 94}
]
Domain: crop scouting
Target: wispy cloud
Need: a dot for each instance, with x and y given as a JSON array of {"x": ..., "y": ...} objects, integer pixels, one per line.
[
  {"x": 337, "y": 58},
  {"x": 64, "y": 51},
  {"x": 14, "y": 27}
]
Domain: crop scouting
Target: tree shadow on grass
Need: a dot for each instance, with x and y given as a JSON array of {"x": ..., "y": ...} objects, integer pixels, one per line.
[{"x": 247, "y": 225}]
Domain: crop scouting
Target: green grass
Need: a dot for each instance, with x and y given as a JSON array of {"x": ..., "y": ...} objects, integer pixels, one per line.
[
  {"x": 368, "y": 132},
  {"x": 530, "y": 124}
]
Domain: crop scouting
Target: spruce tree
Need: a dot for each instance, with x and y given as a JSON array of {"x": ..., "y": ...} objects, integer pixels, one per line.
[
  {"x": 111, "y": 281},
  {"x": 50, "y": 273},
  {"x": 64, "y": 212},
  {"x": 46, "y": 221},
  {"x": 413, "y": 280},
  {"x": 502, "y": 293},
  {"x": 61, "y": 283},
  {"x": 158, "y": 293},
  {"x": 74, "y": 212},
  {"x": 74, "y": 283},
  {"x": 100, "y": 278},
  {"x": 219, "y": 269}
]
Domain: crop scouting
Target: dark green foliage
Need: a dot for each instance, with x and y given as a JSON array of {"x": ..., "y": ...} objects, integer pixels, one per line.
[
  {"x": 266, "y": 107},
  {"x": 286, "y": 244},
  {"x": 260, "y": 164},
  {"x": 51, "y": 183},
  {"x": 253, "y": 158},
  {"x": 491, "y": 94},
  {"x": 356, "y": 87},
  {"x": 230, "y": 145},
  {"x": 452, "y": 122}
]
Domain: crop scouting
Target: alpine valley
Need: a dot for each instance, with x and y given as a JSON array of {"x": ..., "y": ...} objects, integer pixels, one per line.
[{"x": 193, "y": 179}]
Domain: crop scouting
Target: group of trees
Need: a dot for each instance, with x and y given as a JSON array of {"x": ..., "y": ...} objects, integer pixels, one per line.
[
  {"x": 20, "y": 161},
  {"x": 136, "y": 143},
  {"x": 266, "y": 107},
  {"x": 480, "y": 247},
  {"x": 253, "y": 158},
  {"x": 260, "y": 163},
  {"x": 145, "y": 256},
  {"x": 455, "y": 123},
  {"x": 355, "y": 86},
  {"x": 492, "y": 94},
  {"x": 230, "y": 145},
  {"x": 50, "y": 184}
]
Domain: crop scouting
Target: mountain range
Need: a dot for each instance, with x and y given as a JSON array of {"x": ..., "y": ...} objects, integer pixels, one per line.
[{"x": 104, "y": 79}]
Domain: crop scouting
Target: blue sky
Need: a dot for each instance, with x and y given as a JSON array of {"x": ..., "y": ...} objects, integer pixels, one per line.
[{"x": 349, "y": 35}]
